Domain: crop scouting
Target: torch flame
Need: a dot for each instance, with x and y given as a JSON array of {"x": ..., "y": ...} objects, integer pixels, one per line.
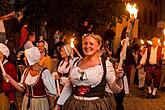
[
  {"x": 164, "y": 31},
  {"x": 142, "y": 42},
  {"x": 132, "y": 10},
  {"x": 164, "y": 43},
  {"x": 72, "y": 42}
]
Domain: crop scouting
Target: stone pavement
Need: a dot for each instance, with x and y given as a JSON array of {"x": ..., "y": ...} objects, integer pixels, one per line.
[{"x": 136, "y": 99}]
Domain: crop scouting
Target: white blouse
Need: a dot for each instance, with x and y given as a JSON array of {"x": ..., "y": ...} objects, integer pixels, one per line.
[
  {"x": 47, "y": 78},
  {"x": 92, "y": 77}
]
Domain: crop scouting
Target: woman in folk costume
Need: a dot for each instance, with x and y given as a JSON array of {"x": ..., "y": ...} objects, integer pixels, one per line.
[
  {"x": 85, "y": 88},
  {"x": 7, "y": 91},
  {"x": 65, "y": 64},
  {"x": 36, "y": 82},
  {"x": 45, "y": 60}
]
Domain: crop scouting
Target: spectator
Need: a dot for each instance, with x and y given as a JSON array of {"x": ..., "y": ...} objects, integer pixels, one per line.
[
  {"x": 45, "y": 58},
  {"x": 2, "y": 28},
  {"x": 30, "y": 41}
]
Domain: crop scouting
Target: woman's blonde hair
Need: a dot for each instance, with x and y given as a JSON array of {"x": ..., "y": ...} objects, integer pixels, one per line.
[{"x": 96, "y": 36}]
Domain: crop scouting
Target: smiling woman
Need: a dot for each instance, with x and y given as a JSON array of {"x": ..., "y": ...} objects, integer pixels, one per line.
[{"x": 85, "y": 88}]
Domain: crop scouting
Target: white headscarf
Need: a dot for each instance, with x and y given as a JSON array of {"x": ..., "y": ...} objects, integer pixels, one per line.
[
  {"x": 33, "y": 55},
  {"x": 4, "y": 49}
]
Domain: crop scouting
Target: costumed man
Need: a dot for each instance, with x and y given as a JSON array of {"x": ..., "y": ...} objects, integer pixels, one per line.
[
  {"x": 7, "y": 91},
  {"x": 153, "y": 67}
]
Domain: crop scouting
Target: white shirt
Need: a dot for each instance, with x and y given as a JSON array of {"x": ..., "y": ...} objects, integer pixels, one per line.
[
  {"x": 92, "y": 77},
  {"x": 47, "y": 78},
  {"x": 2, "y": 28},
  {"x": 153, "y": 55},
  {"x": 28, "y": 45},
  {"x": 64, "y": 68}
]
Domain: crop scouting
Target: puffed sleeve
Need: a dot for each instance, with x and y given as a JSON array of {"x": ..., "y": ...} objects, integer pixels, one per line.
[
  {"x": 66, "y": 92},
  {"x": 111, "y": 77},
  {"x": 49, "y": 82}
]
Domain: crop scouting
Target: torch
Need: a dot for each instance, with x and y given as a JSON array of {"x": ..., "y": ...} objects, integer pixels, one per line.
[
  {"x": 133, "y": 15},
  {"x": 3, "y": 71},
  {"x": 142, "y": 42},
  {"x": 73, "y": 47}
]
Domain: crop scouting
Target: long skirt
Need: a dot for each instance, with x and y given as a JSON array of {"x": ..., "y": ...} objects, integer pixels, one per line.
[
  {"x": 36, "y": 103},
  {"x": 98, "y": 104},
  {"x": 4, "y": 102}
]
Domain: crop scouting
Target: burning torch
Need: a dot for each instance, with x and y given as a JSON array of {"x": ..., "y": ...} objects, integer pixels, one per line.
[{"x": 73, "y": 47}]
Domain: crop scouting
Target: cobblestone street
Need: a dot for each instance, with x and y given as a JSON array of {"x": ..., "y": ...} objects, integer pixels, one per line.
[{"x": 136, "y": 101}]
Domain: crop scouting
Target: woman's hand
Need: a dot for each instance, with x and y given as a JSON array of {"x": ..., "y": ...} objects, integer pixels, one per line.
[{"x": 55, "y": 75}]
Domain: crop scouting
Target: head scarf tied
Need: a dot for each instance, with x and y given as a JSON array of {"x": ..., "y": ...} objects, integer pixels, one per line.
[{"x": 33, "y": 55}]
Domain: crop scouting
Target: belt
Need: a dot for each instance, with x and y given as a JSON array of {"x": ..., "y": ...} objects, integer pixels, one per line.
[{"x": 85, "y": 98}]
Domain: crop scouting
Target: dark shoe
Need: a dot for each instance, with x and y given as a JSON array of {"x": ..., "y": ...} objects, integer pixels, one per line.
[
  {"x": 153, "y": 96},
  {"x": 148, "y": 96}
]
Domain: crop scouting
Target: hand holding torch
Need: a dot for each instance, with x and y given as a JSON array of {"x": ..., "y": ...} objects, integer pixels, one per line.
[
  {"x": 73, "y": 47},
  {"x": 3, "y": 71}
]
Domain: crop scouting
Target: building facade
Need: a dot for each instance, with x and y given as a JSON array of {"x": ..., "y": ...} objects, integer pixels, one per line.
[{"x": 150, "y": 13}]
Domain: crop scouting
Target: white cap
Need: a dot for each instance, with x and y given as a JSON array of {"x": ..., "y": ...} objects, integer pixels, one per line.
[
  {"x": 33, "y": 55},
  {"x": 4, "y": 49},
  {"x": 67, "y": 49}
]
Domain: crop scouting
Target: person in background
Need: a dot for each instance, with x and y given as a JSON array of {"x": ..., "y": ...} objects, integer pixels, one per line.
[
  {"x": 24, "y": 35},
  {"x": 12, "y": 57},
  {"x": 2, "y": 27},
  {"x": 162, "y": 81},
  {"x": 31, "y": 40},
  {"x": 45, "y": 58},
  {"x": 36, "y": 82},
  {"x": 7, "y": 91},
  {"x": 141, "y": 69},
  {"x": 152, "y": 59},
  {"x": 56, "y": 37},
  {"x": 85, "y": 88}
]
